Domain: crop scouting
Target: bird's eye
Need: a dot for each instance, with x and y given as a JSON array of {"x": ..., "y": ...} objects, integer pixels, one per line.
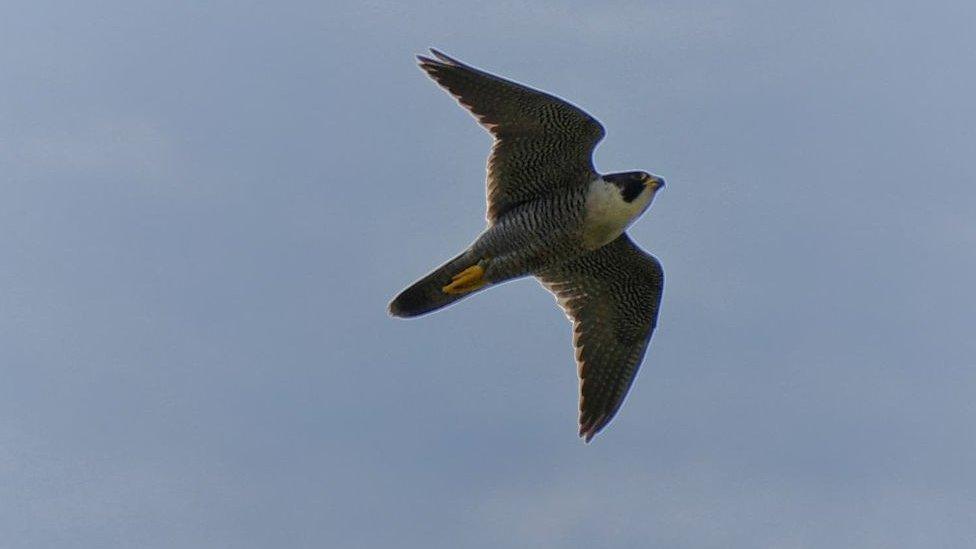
[{"x": 642, "y": 176}]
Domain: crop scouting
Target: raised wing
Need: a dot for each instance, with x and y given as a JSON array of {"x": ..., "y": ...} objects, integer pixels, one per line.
[
  {"x": 612, "y": 295},
  {"x": 541, "y": 141}
]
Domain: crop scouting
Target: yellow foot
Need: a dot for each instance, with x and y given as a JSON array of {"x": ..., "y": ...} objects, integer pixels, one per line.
[{"x": 466, "y": 281}]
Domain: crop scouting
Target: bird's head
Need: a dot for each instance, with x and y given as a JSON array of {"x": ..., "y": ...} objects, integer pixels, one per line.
[{"x": 634, "y": 184}]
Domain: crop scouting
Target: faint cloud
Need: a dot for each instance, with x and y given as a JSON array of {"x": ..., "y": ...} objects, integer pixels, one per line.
[
  {"x": 702, "y": 505},
  {"x": 636, "y": 21},
  {"x": 129, "y": 147}
]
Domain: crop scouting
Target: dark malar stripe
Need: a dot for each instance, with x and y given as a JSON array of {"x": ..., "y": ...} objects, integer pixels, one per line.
[{"x": 631, "y": 190}]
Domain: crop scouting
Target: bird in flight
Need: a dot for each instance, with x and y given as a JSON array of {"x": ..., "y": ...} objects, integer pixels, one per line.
[{"x": 552, "y": 216}]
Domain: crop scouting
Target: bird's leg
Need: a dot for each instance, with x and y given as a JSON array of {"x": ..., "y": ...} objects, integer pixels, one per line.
[{"x": 468, "y": 280}]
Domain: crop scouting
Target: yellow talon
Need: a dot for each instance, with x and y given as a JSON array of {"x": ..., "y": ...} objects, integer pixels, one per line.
[{"x": 466, "y": 281}]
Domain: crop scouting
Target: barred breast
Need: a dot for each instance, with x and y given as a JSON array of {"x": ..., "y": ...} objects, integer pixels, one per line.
[{"x": 533, "y": 235}]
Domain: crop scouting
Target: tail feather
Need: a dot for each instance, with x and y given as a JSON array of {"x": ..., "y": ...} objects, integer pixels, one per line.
[{"x": 426, "y": 295}]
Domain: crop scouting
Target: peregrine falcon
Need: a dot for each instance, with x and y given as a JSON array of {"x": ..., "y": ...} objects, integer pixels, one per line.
[{"x": 552, "y": 216}]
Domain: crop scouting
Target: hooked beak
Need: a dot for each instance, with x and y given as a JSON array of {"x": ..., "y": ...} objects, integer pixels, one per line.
[{"x": 656, "y": 183}]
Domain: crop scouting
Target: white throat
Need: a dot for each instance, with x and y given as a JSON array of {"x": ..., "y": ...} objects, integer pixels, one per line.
[{"x": 608, "y": 215}]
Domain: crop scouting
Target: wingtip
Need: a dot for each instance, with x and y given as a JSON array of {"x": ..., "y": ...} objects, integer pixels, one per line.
[
  {"x": 586, "y": 435},
  {"x": 592, "y": 426},
  {"x": 442, "y": 56},
  {"x": 431, "y": 65}
]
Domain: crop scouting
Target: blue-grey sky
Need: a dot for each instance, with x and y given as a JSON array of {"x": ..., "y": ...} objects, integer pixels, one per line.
[{"x": 207, "y": 206}]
